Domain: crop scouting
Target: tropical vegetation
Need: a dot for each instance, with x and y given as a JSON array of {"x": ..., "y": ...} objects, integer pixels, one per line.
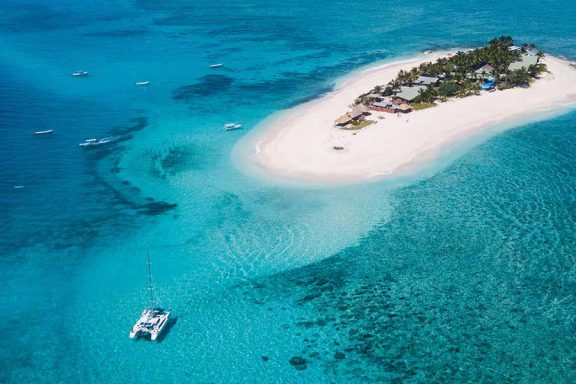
[{"x": 458, "y": 73}]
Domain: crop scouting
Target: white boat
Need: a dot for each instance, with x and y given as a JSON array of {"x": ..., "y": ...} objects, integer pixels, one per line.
[
  {"x": 232, "y": 126},
  {"x": 18, "y": 186},
  {"x": 89, "y": 142},
  {"x": 216, "y": 65},
  {"x": 153, "y": 319},
  {"x": 80, "y": 73},
  {"x": 95, "y": 142},
  {"x": 141, "y": 83},
  {"x": 43, "y": 132},
  {"x": 151, "y": 322}
]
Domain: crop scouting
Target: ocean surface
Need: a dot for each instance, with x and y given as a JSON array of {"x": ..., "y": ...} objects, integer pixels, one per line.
[{"x": 464, "y": 274}]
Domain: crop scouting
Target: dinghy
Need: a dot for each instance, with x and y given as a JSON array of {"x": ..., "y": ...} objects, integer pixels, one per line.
[
  {"x": 46, "y": 132},
  {"x": 232, "y": 126}
]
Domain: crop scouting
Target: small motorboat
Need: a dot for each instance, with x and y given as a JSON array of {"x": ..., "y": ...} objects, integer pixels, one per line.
[
  {"x": 18, "y": 186},
  {"x": 216, "y": 65},
  {"x": 46, "y": 132},
  {"x": 80, "y": 73},
  {"x": 105, "y": 140},
  {"x": 232, "y": 126},
  {"x": 142, "y": 83},
  {"x": 94, "y": 142}
]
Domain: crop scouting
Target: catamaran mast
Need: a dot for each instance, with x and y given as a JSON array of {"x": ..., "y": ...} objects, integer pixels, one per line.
[{"x": 151, "y": 283}]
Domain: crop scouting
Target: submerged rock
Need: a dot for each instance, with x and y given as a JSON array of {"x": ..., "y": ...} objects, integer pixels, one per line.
[
  {"x": 298, "y": 362},
  {"x": 339, "y": 356}
]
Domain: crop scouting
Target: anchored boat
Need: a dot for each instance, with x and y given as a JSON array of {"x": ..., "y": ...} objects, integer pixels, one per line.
[
  {"x": 89, "y": 143},
  {"x": 142, "y": 83},
  {"x": 216, "y": 65},
  {"x": 153, "y": 319},
  {"x": 92, "y": 143},
  {"x": 80, "y": 73},
  {"x": 232, "y": 126},
  {"x": 46, "y": 132}
]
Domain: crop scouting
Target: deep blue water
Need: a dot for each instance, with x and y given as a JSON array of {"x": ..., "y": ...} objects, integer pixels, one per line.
[{"x": 465, "y": 275}]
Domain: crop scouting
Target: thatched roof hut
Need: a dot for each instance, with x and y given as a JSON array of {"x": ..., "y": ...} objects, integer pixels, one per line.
[
  {"x": 359, "y": 111},
  {"x": 343, "y": 120}
]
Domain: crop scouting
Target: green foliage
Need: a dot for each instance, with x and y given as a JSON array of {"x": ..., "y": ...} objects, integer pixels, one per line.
[
  {"x": 388, "y": 91},
  {"x": 358, "y": 124},
  {"x": 419, "y": 106},
  {"x": 458, "y": 72},
  {"x": 448, "y": 89},
  {"x": 519, "y": 77},
  {"x": 427, "y": 95}
]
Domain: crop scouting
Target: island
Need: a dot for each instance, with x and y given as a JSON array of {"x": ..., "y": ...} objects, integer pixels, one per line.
[{"x": 394, "y": 118}]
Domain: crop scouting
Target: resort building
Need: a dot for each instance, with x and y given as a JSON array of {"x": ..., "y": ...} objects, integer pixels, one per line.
[
  {"x": 374, "y": 96},
  {"x": 391, "y": 105},
  {"x": 359, "y": 111},
  {"x": 526, "y": 60},
  {"x": 425, "y": 80},
  {"x": 410, "y": 93},
  {"x": 485, "y": 70},
  {"x": 343, "y": 120}
]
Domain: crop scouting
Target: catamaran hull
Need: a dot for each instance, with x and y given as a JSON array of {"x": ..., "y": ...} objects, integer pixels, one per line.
[
  {"x": 161, "y": 327},
  {"x": 155, "y": 331}
]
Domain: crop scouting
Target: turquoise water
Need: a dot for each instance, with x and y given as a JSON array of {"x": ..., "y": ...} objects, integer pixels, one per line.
[{"x": 465, "y": 274}]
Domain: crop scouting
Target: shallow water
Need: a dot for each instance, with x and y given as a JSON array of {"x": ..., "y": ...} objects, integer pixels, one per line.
[{"x": 462, "y": 275}]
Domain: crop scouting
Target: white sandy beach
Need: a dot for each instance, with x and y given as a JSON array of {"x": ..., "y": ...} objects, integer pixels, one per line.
[{"x": 298, "y": 143}]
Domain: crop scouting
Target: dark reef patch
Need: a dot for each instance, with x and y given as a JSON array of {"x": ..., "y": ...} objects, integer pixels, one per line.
[
  {"x": 156, "y": 208},
  {"x": 134, "y": 124},
  {"x": 457, "y": 287},
  {"x": 180, "y": 158},
  {"x": 175, "y": 160},
  {"x": 208, "y": 85}
]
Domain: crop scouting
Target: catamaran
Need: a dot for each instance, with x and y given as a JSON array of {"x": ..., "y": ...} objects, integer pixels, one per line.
[{"x": 153, "y": 319}]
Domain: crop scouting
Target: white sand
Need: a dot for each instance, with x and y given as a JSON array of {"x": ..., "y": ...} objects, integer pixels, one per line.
[{"x": 298, "y": 144}]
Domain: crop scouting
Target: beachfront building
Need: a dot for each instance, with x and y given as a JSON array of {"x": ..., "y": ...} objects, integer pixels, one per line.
[
  {"x": 525, "y": 61},
  {"x": 391, "y": 105},
  {"x": 408, "y": 94},
  {"x": 373, "y": 96},
  {"x": 359, "y": 111},
  {"x": 384, "y": 105},
  {"x": 484, "y": 70},
  {"x": 426, "y": 80},
  {"x": 344, "y": 120}
]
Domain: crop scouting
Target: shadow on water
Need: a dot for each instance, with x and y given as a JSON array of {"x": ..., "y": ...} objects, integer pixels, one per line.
[{"x": 169, "y": 325}]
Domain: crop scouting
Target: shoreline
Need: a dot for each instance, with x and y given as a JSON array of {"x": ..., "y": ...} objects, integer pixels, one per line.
[{"x": 295, "y": 146}]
